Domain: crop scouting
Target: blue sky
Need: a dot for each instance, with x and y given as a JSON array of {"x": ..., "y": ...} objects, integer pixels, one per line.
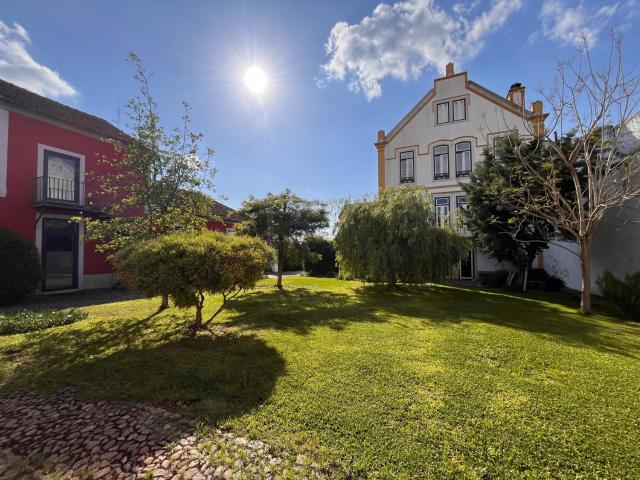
[{"x": 313, "y": 129}]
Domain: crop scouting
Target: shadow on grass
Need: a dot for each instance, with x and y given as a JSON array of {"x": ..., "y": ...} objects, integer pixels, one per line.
[
  {"x": 302, "y": 309},
  {"x": 150, "y": 360}
]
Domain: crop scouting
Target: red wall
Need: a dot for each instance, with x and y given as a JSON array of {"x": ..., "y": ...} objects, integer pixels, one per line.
[{"x": 16, "y": 211}]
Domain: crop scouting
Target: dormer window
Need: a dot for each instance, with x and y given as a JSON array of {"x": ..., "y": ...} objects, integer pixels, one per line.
[
  {"x": 459, "y": 110},
  {"x": 443, "y": 112},
  {"x": 406, "y": 166}
]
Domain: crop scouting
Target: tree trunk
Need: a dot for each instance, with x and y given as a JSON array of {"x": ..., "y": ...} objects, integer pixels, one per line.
[
  {"x": 164, "y": 302},
  {"x": 585, "y": 258},
  {"x": 525, "y": 279},
  {"x": 280, "y": 270},
  {"x": 197, "y": 324}
]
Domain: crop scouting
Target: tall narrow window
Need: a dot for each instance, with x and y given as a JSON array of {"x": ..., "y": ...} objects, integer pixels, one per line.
[
  {"x": 441, "y": 162},
  {"x": 463, "y": 159},
  {"x": 496, "y": 141},
  {"x": 461, "y": 204},
  {"x": 61, "y": 177},
  {"x": 459, "y": 110},
  {"x": 443, "y": 112},
  {"x": 406, "y": 167},
  {"x": 442, "y": 211}
]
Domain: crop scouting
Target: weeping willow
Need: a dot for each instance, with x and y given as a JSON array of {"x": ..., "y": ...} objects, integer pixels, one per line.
[{"x": 394, "y": 238}]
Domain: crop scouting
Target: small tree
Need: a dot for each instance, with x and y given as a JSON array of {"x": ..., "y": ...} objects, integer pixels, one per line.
[
  {"x": 498, "y": 227},
  {"x": 20, "y": 271},
  {"x": 394, "y": 238},
  {"x": 187, "y": 266},
  {"x": 151, "y": 185},
  {"x": 602, "y": 168},
  {"x": 324, "y": 256},
  {"x": 283, "y": 221}
]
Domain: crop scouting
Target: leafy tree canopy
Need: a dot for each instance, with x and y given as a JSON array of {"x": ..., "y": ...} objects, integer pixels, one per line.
[{"x": 283, "y": 221}]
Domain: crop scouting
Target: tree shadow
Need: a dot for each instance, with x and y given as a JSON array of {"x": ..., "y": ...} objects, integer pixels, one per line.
[
  {"x": 150, "y": 360},
  {"x": 302, "y": 309}
]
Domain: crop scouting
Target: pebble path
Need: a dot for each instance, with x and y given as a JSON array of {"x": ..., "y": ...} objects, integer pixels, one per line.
[{"x": 60, "y": 437}]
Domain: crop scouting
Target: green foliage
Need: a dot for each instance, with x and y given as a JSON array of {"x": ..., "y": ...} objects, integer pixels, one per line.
[
  {"x": 412, "y": 383},
  {"x": 553, "y": 283},
  {"x": 499, "y": 228},
  {"x": 283, "y": 221},
  {"x": 151, "y": 184},
  {"x": 20, "y": 271},
  {"x": 185, "y": 266},
  {"x": 30, "y": 321},
  {"x": 394, "y": 238},
  {"x": 324, "y": 262},
  {"x": 624, "y": 294}
]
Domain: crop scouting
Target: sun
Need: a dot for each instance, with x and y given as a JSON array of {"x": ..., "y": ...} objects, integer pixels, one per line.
[{"x": 255, "y": 80}]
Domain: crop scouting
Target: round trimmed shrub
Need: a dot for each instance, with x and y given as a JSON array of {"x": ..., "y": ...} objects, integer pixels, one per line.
[{"x": 20, "y": 274}]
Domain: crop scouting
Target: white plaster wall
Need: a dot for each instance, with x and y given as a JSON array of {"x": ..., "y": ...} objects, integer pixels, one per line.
[{"x": 559, "y": 261}]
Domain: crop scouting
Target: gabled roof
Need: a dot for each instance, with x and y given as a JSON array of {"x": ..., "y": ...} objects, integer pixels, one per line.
[
  {"x": 473, "y": 86},
  {"x": 32, "y": 102}
]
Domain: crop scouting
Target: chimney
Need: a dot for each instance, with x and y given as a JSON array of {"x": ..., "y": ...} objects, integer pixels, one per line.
[
  {"x": 449, "y": 69},
  {"x": 516, "y": 94},
  {"x": 537, "y": 120}
]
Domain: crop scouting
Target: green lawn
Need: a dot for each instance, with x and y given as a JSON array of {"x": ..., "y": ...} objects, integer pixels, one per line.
[{"x": 439, "y": 382}]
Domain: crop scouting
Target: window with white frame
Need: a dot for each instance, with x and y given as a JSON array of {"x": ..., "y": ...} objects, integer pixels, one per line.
[
  {"x": 441, "y": 162},
  {"x": 461, "y": 204},
  {"x": 406, "y": 166},
  {"x": 463, "y": 159},
  {"x": 231, "y": 231},
  {"x": 442, "y": 112},
  {"x": 442, "y": 211},
  {"x": 459, "y": 109},
  {"x": 496, "y": 141}
]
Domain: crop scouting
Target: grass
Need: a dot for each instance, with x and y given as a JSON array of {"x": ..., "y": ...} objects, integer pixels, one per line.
[{"x": 433, "y": 382}]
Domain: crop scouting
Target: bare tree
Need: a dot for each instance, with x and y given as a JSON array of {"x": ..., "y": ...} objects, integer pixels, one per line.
[{"x": 582, "y": 180}]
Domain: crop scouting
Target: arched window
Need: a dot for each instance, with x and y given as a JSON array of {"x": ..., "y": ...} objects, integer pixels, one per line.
[
  {"x": 441, "y": 162},
  {"x": 463, "y": 159}
]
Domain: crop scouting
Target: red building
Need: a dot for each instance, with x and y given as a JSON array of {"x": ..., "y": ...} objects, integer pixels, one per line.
[{"x": 45, "y": 150}]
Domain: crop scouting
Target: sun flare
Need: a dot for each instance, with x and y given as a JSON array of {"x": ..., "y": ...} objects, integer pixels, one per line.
[{"x": 255, "y": 80}]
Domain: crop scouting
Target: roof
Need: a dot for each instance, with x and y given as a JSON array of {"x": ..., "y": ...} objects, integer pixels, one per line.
[
  {"x": 25, "y": 99},
  {"x": 497, "y": 98},
  {"x": 226, "y": 213}
]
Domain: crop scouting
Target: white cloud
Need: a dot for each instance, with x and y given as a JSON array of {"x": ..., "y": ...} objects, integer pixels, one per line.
[
  {"x": 403, "y": 39},
  {"x": 575, "y": 23},
  {"x": 19, "y": 67}
]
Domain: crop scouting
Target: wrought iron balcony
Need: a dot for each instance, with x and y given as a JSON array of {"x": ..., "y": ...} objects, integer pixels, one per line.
[{"x": 61, "y": 193}]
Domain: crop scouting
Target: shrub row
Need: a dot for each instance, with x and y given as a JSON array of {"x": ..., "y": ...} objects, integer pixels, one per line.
[{"x": 29, "y": 321}]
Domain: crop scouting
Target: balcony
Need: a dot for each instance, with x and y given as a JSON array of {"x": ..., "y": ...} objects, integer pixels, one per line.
[
  {"x": 462, "y": 173},
  {"x": 61, "y": 193},
  {"x": 407, "y": 179}
]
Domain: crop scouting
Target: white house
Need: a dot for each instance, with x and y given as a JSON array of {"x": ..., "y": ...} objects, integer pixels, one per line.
[{"x": 440, "y": 140}]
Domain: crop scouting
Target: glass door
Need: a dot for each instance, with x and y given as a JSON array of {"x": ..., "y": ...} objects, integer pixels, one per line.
[
  {"x": 61, "y": 177},
  {"x": 59, "y": 254},
  {"x": 466, "y": 266}
]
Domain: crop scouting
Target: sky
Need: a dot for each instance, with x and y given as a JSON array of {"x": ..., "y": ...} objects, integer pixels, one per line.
[{"x": 337, "y": 71}]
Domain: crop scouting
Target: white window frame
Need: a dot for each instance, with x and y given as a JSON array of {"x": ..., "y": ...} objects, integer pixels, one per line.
[
  {"x": 409, "y": 173},
  {"x": 437, "y": 159},
  {"x": 40, "y": 170},
  {"x": 438, "y": 122},
  {"x": 443, "y": 210},
  {"x": 464, "y": 109},
  {"x": 463, "y": 172}
]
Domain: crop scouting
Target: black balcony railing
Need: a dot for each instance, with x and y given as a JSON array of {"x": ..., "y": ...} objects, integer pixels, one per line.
[
  {"x": 462, "y": 173},
  {"x": 58, "y": 191},
  {"x": 407, "y": 179}
]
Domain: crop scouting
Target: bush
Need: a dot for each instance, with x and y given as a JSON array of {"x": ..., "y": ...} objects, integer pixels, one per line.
[
  {"x": 495, "y": 279},
  {"x": 553, "y": 283},
  {"x": 28, "y": 321},
  {"x": 325, "y": 265},
  {"x": 20, "y": 273},
  {"x": 186, "y": 266},
  {"x": 624, "y": 294},
  {"x": 395, "y": 238}
]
